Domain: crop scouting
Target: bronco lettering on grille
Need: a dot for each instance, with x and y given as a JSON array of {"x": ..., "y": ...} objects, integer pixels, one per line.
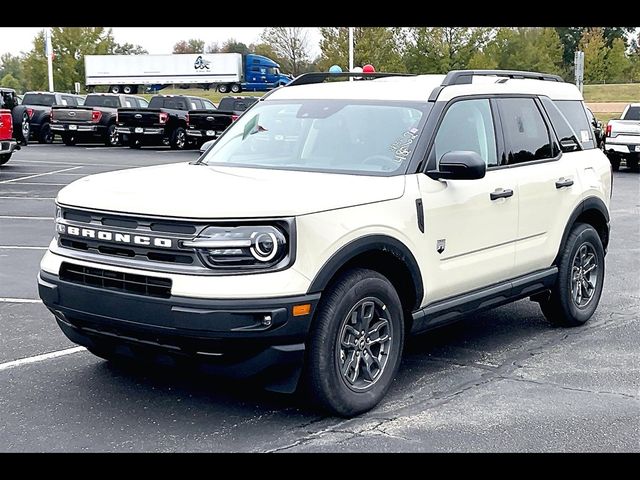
[{"x": 115, "y": 237}]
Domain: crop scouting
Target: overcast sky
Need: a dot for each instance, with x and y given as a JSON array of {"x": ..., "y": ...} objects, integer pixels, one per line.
[{"x": 154, "y": 40}]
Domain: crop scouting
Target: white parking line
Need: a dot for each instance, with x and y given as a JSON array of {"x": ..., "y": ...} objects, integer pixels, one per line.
[
  {"x": 18, "y": 300},
  {"x": 40, "y": 175},
  {"x": 41, "y": 358},
  {"x": 16, "y": 247},
  {"x": 16, "y": 217},
  {"x": 39, "y": 183},
  {"x": 81, "y": 164},
  {"x": 28, "y": 198}
]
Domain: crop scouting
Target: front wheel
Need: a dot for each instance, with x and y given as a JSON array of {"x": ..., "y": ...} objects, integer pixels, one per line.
[
  {"x": 355, "y": 343},
  {"x": 576, "y": 293},
  {"x": 4, "y": 158},
  {"x": 25, "y": 130},
  {"x": 69, "y": 140}
]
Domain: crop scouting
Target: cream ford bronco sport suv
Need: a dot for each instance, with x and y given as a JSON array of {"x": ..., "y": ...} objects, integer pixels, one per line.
[{"x": 332, "y": 220}]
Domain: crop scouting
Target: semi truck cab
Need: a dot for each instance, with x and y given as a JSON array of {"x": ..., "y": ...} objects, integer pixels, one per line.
[{"x": 262, "y": 73}]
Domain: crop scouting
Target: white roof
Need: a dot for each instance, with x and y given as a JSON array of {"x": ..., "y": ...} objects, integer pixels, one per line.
[{"x": 419, "y": 88}]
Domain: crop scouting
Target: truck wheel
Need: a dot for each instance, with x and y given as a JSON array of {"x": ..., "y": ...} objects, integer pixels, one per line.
[
  {"x": 632, "y": 162},
  {"x": 4, "y": 158},
  {"x": 69, "y": 140},
  {"x": 614, "y": 160},
  {"x": 46, "y": 135},
  {"x": 576, "y": 293},
  {"x": 134, "y": 142},
  {"x": 178, "y": 140},
  {"x": 355, "y": 343},
  {"x": 223, "y": 88},
  {"x": 128, "y": 89},
  {"x": 114, "y": 88},
  {"x": 236, "y": 88},
  {"x": 25, "y": 130},
  {"x": 111, "y": 139}
]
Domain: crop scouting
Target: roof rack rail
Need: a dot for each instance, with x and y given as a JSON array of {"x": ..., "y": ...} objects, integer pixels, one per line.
[
  {"x": 460, "y": 77},
  {"x": 319, "y": 77}
]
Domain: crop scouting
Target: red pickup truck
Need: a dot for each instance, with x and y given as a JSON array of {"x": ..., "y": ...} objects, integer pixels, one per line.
[{"x": 7, "y": 143}]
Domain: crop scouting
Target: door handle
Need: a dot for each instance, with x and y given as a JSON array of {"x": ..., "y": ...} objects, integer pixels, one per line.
[
  {"x": 501, "y": 193},
  {"x": 564, "y": 182}
]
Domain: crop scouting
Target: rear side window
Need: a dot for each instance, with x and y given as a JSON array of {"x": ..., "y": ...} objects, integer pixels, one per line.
[
  {"x": 467, "y": 125},
  {"x": 526, "y": 135},
  {"x": 560, "y": 124},
  {"x": 633, "y": 113},
  {"x": 175, "y": 103},
  {"x": 574, "y": 112}
]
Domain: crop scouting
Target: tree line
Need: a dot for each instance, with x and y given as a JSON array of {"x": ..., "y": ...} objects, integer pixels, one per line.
[{"x": 612, "y": 54}]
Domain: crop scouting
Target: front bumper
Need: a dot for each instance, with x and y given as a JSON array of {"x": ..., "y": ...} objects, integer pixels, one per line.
[
  {"x": 226, "y": 337},
  {"x": 73, "y": 128},
  {"x": 8, "y": 146}
]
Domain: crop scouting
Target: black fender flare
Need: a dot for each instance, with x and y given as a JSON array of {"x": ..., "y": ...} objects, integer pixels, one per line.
[
  {"x": 589, "y": 203},
  {"x": 364, "y": 244}
]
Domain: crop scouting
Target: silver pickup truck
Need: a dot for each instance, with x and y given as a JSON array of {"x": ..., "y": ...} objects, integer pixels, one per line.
[{"x": 622, "y": 138}]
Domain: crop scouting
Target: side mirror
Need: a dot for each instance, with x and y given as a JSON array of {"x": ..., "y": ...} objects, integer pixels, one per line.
[
  {"x": 569, "y": 144},
  {"x": 599, "y": 124},
  {"x": 459, "y": 165}
]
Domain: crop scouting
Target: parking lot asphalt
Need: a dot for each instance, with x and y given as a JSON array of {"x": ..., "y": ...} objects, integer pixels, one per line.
[{"x": 503, "y": 380}]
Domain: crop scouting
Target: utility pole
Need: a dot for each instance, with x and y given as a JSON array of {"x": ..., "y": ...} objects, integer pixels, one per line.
[
  {"x": 350, "y": 51},
  {"x": 48, "y": 50},
  {"x": 578, "y": 60}
]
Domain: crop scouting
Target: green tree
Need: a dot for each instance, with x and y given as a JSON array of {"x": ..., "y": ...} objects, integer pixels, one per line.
[
  {"x": 70, "y": 45},
  {"x": 234, "y": 46},
  {"x": 213, "y": 48},
  {"x": 617, "y": 63},
  {"x": 440, "y": 49},
  {"x": 570, "y": 38},
  {"x": 595, "y": 55},
  {"x": 291, "y": 44},
  {"x": 128, "y": 49},
  {"x": 375, "y": 45},
  {"x": 193, "y": 45},
  {"x": 9, "y": 81},
  {"x": 12, "y": 65}
]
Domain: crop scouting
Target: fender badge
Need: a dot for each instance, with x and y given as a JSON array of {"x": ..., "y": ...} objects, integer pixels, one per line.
[{"x": 440, "y": 245}]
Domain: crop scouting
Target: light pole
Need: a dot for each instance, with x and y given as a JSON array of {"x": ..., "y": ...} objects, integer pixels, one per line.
[
  {"x": 350, "y": 51},
  {"x": 48, "y": 50}
]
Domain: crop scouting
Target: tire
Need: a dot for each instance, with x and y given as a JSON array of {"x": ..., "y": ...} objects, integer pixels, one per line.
[
  {"x": 353, "y": 296},
  {"x": 69, "y": 140},
  {"x": 615, "y": 161},
  {"x": 25, "y": 130},
  {"x": 127, "y": 89},
  {"x": 632, "y": 163},
  {"x": 4, "y": 158},
  {"x": 114, "y": 88},
  {"x": 134, "y": 142},
  {"x": 178, "y": 140},
  {"x": 223, "y": 88},
  {"x": 46, "y": 135},
  {"x": 112, "y": 139},
  {"x": 564, "y": 307},
  {"x": 236, "y": 88}
]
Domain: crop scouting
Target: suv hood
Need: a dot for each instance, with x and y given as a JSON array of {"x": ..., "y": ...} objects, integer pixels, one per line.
[{"x": 201, "y": 191}]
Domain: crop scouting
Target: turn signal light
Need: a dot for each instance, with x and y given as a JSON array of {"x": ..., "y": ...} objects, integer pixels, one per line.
[
  {"x": 300, "y": 310},
  {"x": 608, "y": 131}
]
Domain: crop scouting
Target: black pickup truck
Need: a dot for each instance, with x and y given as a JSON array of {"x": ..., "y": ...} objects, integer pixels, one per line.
[
  {"x": 95, "y": 121},
  {"x": 208, "y": 124},
  {"x": 38, "y": 106},
  {"x": 19, "y": 113},
  {"x": 163, "y": 123}
]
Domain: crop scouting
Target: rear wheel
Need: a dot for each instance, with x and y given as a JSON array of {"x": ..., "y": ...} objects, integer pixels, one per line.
[
  {"x": 236, "y": 88},
  {"x": 69, "y": 140},
  {"x": 112, "y": 139},
  {"x": 4, "y": 158},
  {"x": 632, "y": 162},
  {"x": 178, "y": 140},
  {"x": 114, "y": 88},
  {"x": 46, "y": 135},
  {"x": 576, "y": 293},
  {"x": 128, "y": 89},
  {"x": 614, "y": 160},
  {"x": 355, "y": 343},
  {"x": 223, "y": 88},
  {"x": 134, "y": 142}
]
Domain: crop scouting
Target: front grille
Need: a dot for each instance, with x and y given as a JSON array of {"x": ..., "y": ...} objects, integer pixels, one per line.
[{"x": 118, "y": 281}]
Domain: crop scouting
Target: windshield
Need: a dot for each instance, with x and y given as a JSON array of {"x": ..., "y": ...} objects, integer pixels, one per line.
[
  {"x": 341, "y": 136},
  {"x": 44, "y": 100}
]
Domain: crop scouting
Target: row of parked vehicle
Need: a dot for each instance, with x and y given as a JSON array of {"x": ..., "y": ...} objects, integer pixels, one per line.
[{"x": 179, "y": 121}]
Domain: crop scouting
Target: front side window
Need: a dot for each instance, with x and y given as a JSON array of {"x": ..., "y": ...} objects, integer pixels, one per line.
[
  {"x": 339, "y": 136},
  {"x": 468, "y": 126},
  {"x": 526, "y": 135}
]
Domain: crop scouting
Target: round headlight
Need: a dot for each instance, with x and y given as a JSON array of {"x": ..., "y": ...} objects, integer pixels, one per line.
[{"x": 264, "y": 246}]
